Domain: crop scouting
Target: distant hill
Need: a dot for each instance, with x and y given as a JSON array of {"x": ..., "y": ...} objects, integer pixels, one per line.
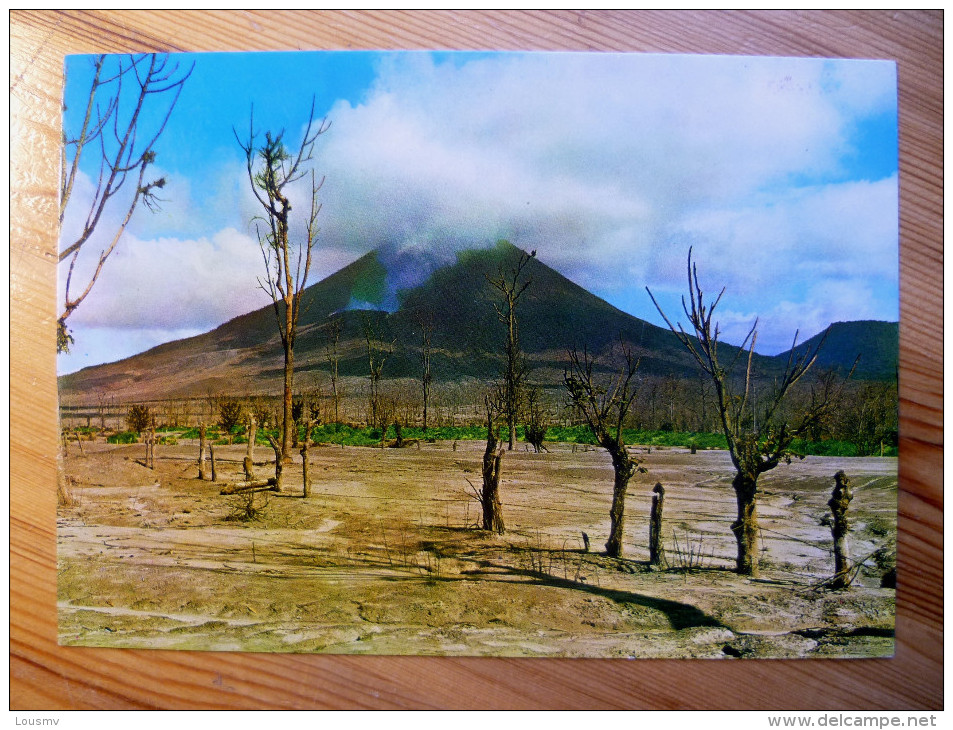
[
  {"x": 377, "y": 291},
  {"x": 877, "y": 344}
]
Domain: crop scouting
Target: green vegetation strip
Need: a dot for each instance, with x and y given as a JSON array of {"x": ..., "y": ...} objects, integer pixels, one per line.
[{"x": 351, "y": 436}]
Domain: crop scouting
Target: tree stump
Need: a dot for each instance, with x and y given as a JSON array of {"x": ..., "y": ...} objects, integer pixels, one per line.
[
  {"x": 202, "y": 451},
  {"x": 249, "y": 467},
  {"x": 211, "y": 458},
  {"x": 279, "y": 461},
  {"x": 252, "y": 433},
  {"x": 839, "y": 502},
  {"x": 306, "y": 486},
  {"x": 490, "y": 494},
  {"x": 151, "y": 445},
  {"x": 656, "y": 551}
]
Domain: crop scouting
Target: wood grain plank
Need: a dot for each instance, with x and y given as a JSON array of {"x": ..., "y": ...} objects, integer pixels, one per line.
[{"x": 44, "y": 675}]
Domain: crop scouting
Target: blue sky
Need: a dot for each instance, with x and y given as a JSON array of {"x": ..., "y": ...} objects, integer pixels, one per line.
[{"x": 781, "y": 173}]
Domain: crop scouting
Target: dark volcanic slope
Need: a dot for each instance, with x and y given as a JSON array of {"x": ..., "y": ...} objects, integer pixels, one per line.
[
  {"x": 554, "y": 315},
  {"x": 877, "y": 344},
  {"x": 244, "y": 354}
]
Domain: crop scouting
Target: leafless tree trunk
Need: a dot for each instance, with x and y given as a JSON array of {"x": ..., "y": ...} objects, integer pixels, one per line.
[
  {"x": 425, "y": 322},
  {"x": 279, "y": 462},
  {"x": 377, "y": 354},
  {"x": 297, "y": 414},
  {"x": 79, "y": 442},
  {"x": 211, "y": 458},
  {"x": 624, "y": 468},
  {"x": 102, "y": 399},
  {"x": 604, "y": 408},
  {"x": 759, "y": 438},
  {"x": 745, "y": 527},
  {"x": 331, "y": 353},
  {"x": 492, "y": 462},
  {"x": 656, "y": 551},
  {"x": 304, "y": 459},
  {"x": 202, "y": 451},
  {"x": 150, "y": 441},
  {"x": 839, "y": 502},
  {"x": 511, "y": 290},
  {"x": 252, "y": 435},
  {"x": 535, "y": 422},
  {"x": 271, "y": 167}
]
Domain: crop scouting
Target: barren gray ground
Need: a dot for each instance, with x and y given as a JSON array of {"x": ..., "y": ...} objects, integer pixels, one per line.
[{"x": 382, "y": 558}]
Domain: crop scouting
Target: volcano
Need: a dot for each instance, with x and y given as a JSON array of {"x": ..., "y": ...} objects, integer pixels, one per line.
[{"x": 395, "y": 295}]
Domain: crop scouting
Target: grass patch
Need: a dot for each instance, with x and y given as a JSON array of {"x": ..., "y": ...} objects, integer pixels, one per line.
[
  {"x": 340, "y": 433},
  {"x": 836, "y": 448},
  {"x": 123, "y": 437}
]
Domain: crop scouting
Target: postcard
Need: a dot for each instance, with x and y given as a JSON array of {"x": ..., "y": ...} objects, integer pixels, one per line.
[{"x": 495, "y": 354}]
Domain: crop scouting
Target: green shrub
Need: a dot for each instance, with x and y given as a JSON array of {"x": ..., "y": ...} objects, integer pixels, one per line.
[
  {"x": 123, "y": 437},
  {"x": 823, "y": 448},
  {"x": 571, "y": 434}
]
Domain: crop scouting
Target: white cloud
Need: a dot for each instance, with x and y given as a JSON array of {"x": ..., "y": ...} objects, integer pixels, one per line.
[
  {"x": 606, "y": 162},
  {"x": 823, "y": 305},
  {"x": 171, "y": 283},
  {"x": 793, "y": 238},
  {"x": 610, "y": 165}
]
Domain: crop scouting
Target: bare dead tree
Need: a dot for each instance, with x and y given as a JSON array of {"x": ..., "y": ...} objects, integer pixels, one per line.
[
  {"x": 656, "y": 550},
  {"x": 261, "y": 409},
  {"x": 306, "y": 478},
  {"x": 535, "y": 420},
  {"x": 377, "y": 354},
  {"x": 512, "y": 286},
  {"x": 279, "y": 461},
  {"x": 426, "y": 324},
  {"x": 492, "y": 462},
  {"x": 604, "y": 408},
  {"x": 298, "y": 414},
  {"x": 103, "y": 398},
  {"x": 759, "y": 436},
  {"x": 333, "y": 334},
  {"x": 869, "y": 419},
  {"x": 211, "y": 458},
  {"x": 202, "y": 451},
  {"x": 113, "y": 132},
  {"x": 252, "y": 435},
  {"x": 272, "y": 167}
]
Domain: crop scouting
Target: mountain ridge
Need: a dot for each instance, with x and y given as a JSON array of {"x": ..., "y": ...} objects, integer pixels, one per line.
[{"x": 556, "y": 314}]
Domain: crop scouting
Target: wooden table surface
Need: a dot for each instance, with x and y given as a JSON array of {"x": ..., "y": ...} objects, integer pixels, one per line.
[{"x": 46, "y": 676}]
